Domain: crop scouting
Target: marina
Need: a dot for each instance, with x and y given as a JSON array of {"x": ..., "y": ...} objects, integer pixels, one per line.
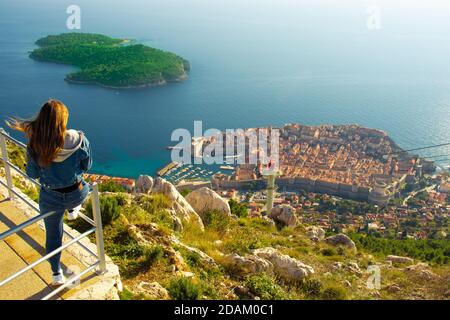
[
  {"x": 178, "y": 173},
  {"x": 168, "y": 168}
]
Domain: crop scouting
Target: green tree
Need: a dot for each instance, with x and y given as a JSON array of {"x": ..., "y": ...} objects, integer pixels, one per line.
[
  {"x": 110, "y": 186},
  {"x": 109, "y": 209},
  {"x": 239, "y": 209}
]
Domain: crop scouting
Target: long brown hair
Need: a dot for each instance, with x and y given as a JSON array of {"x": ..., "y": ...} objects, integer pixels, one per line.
[{"x": 45, "y": 132}]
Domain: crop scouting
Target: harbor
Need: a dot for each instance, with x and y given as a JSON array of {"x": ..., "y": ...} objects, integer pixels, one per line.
[{"x": 178, "y": 173}]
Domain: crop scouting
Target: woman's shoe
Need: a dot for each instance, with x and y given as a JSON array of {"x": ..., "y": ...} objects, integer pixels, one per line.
[
  {"x": 58, "y": 279},
  {"x": 72, "y": 214}
]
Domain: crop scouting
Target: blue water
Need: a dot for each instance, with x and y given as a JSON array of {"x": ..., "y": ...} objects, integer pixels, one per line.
[{"x": 254, "y": 63}]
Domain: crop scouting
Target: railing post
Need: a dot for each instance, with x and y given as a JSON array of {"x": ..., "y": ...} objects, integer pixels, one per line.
[
  {"x": 98, "y": 228},
  {"x": 5, "y": 157}
]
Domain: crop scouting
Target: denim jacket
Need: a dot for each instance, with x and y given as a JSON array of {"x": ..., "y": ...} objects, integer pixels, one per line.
[{"x": 61, "y": 174}]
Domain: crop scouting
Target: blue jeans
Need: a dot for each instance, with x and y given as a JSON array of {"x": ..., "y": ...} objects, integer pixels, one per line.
[{"x": 50, "y": 200}]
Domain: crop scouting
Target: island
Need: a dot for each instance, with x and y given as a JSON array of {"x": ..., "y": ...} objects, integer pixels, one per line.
[{"x": 111, "y": 62}]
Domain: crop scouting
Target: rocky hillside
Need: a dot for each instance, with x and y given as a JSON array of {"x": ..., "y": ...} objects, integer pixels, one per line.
[{"x": 173, "y": 247}]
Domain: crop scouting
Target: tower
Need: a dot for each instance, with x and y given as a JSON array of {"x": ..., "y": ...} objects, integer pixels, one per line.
[
  {"x": 270, "y": 172},
  {"x": 379, "y": 194}
]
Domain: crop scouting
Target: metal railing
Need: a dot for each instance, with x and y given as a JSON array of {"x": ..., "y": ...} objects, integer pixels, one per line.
[{"x": 96, "y": 222}]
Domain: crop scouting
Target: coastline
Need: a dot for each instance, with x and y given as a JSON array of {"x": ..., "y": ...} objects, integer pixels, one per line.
[
  {"x": 147, "y": 85},
  {"x": 141, "y": 86},
  {"x": 154, "y": 166}
]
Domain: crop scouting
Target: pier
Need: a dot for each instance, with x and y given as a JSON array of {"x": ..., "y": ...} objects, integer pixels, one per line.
[{"x": 162, "y": 172}]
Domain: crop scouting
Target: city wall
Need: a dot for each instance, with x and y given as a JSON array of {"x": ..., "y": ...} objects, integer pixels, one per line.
[{"x": 297, "y": 184}]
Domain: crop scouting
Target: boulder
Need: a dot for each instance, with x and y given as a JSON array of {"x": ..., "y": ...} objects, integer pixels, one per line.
[
  {"x": 176, "y": 259},
  {"x": 177, "y": 224},
  {"x": 418, "y": 267},
  {"x": 337, "y": 266},
  {"x": 153, "y": 290},
  {"x": 186, "y": 274},
  {"x": 242, "y": 291},
  {"x": 393, "y": 288},
  {"x": 353, "y": 267},
  {"x": 399, "y": 259},
  {"x": 284, "y": 214},
  {"x": 315, "y": 233},
  {"x": 204, "y": 200},
  {"x": 180, "y": 207},
  {"x": 447, "y": 294},
  {"x": 135, "y": 233},
  {"x": 203, "y": 256},
  {"x": 171, "y": 268},
  {"x": 422, "y": 271},
  {"x": 144, "y": 184},
  {"x": 341, "y": 240},
  {"x": 250, "y": 264},
  {"x": 269, "y": 221},
  {"x": 285, "y": 266}
]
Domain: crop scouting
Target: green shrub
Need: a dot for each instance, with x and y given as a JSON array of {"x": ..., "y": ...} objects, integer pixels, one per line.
[
  {"x": 141, "y": 214},
  {"x": 129, "y": 249},
  {"x": 185, "y": 192},
  {"x": 264, "y": 287},
  {"x": 193, "y": 259},
  {"x": 154, "y": 203},
  {"x": 110, "y": 186},
  {"x": 109, "y": 208},
  {"x": 210, "y": 291},
  {"x": 183, "y": 288},
  {"x": 31, "y": 190},
  {"x": 126, "y": 294},
  {"x": 328, "y": 252},
  {"x": 334, "y": 293},
  {"x": 121, "y": 199},
  {"x": 152, "y": 254},
  {"x": 435, "y": 251},
  {"x": 135, "y": 214},
  {"x": 16, "y": 155},
  {"x": 163, "y": 219},
  {"x": 215, "y": 219},
  {"x": 131, "y": 257},
  {"x": 311, "y": 287},
  {"x": 239, "y": 209}
]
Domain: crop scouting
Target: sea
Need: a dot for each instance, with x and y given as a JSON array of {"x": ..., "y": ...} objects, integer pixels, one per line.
[{"x": 383, "y": 64}]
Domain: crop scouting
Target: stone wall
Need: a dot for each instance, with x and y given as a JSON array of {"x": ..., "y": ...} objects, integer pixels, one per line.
[{"x": 297, "y": 184}]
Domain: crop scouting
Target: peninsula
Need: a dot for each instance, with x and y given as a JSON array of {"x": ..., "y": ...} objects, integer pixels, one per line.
[{"x": 111, "y": 62}]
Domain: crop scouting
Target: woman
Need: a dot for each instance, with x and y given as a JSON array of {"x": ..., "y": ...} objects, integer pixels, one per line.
[{"x": 57, "y": 157}]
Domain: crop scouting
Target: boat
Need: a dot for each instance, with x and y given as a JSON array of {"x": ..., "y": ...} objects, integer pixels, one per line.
[
  {"x": 226, "y": 167},
  {"x": 174, "y": 148}
]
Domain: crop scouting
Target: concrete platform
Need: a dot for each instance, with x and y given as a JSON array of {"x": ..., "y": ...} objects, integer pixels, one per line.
[{"x": 23, "y": 248}]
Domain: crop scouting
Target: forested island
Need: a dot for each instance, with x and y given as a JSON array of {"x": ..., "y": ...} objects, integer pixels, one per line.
[{"x": 111, "y": 62}]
